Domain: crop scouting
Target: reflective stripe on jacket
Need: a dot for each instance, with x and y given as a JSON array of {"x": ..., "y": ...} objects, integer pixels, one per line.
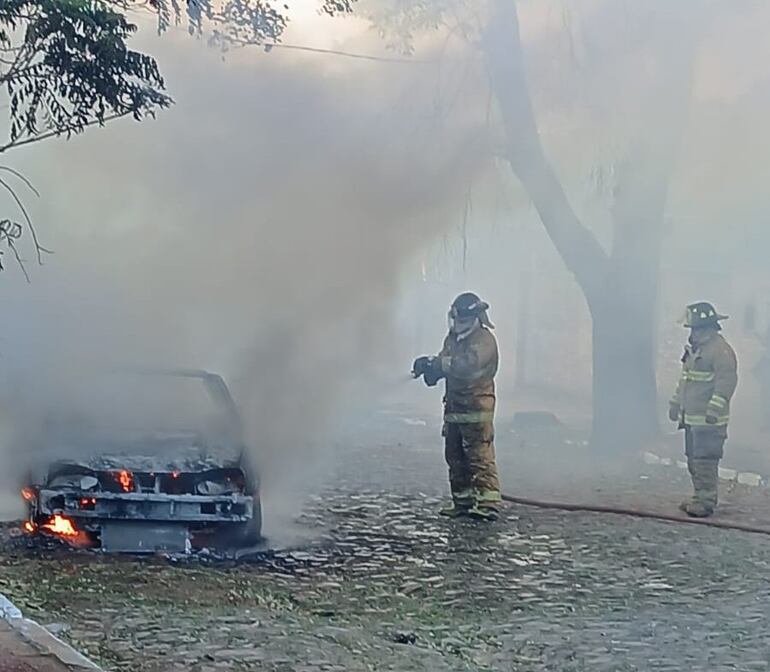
[{"x": 708, "y": 381}]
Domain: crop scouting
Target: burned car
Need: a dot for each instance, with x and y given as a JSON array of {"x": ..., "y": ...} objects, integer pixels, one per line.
[{"x": 136, "y": 473}]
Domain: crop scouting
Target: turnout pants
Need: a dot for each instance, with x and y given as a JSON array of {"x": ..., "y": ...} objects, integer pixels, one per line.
[
  {"x": 470, "y": 455},
  {"x": 704, "y": 447}
]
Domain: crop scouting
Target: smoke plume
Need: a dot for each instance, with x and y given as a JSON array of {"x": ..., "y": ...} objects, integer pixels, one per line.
[{"x": 257, "y": 229}]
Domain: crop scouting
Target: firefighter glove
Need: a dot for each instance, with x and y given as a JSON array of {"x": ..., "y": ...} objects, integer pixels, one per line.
[
  {"x": 433, "y": 373},
  {"x": 674, "y": 412},
  {"x": 421, "y": 366},
  {"x": 711, "y": 419}
]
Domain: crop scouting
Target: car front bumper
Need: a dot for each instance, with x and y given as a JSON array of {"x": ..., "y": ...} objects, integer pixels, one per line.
[{"x": 158, "y": 507}]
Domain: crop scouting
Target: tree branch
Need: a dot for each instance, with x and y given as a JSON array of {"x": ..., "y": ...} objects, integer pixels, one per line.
[
  {"x": 577, "y": 245},
  {"x": 29, "y": 184},
  {"x": 19, "y": 260},
  {"x": 64, "y": 131},
  {"x": 39, "y": 249}
]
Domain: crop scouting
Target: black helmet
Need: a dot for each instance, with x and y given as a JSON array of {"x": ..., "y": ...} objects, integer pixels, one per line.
[
  {"x": 469, "y": 305},
  {"x": 702, "y": 314}
]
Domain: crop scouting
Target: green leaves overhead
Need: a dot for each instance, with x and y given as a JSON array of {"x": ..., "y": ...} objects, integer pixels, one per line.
[{"x": 65, "y": 66}]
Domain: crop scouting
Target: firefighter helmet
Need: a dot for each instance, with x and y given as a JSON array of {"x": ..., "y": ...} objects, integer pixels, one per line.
[
  {"x": 702, "y": 314},
  {"x": 468, "y": 305}
]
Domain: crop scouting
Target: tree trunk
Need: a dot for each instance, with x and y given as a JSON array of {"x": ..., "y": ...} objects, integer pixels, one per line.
[
  {"x": 523, "y": 329},
  {"x": 624, "y": 314},
  {"x": 624, "y": 310},
  {"x": 624, "y": 388},
  {"x": 621, "y": 288}
]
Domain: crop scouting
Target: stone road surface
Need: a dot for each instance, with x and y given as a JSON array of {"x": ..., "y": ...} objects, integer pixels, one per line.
[{"x": 386, "y": 584}]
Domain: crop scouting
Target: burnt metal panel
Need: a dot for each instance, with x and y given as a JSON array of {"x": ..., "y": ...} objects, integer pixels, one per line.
[
  {"x": 149, "y": 506},
  {"x": 144, "y": 537}
]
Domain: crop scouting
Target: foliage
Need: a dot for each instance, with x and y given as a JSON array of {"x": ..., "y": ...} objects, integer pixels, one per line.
[
  {"x": 399, "y": 22},
  {"x": 65, "y": 66},
  {"x": 228, "y": 22},
  {"x": 239, "y": 21}
]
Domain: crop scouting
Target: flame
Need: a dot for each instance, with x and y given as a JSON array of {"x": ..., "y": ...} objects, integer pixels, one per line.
[
  {"x": 61, "y": 525},
  {"x": 28, "y": 494},
  {"x": 126, "y": 480},
  {"x": 29, "y": 527},
  {"x": 175, "y": 474}
]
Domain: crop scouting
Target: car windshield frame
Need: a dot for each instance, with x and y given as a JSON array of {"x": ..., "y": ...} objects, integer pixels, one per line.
[{"x": 214, "y": 394}]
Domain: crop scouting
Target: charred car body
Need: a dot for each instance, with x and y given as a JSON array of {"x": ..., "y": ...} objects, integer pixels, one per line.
[{"x": 149, "y": 488}]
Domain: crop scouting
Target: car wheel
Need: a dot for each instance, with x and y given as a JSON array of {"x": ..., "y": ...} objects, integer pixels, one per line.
[{"x": 244, "y": 534}]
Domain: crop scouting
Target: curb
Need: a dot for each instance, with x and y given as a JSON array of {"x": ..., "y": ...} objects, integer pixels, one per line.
[
  {"x": 748, "y": 478},
  {"x": 42, "y": 640}
]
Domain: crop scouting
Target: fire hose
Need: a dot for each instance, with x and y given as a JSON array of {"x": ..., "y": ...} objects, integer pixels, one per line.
[
  {"x": 426, "y": 367},
  {"x": 634, "y": 513}
]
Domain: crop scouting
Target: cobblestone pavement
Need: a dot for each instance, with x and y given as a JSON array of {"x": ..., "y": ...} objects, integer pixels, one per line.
[{"x": 389, "y": 585}]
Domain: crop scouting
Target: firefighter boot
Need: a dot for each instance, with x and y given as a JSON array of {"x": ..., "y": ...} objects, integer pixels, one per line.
[
  {"x": 487, "y": 505},
  {"x": 705, "y": 480},
  {"x": 686, "y": 503},
  {"x": 698, "y": 510},
  {"x": 462, "y": 503},
  {"x": 454, "y": 511},
  {"x": 483, "y": 513}
]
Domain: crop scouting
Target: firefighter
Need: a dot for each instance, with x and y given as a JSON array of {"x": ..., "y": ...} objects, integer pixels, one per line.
[
  {"x": 701, "y": 403},
  {"x": 468, "y": 362}
]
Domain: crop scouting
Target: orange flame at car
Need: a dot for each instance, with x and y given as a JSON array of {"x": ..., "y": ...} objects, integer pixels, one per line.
[
  {"x": 61, "y": 525},
  {"x": 126, "y": 480}
]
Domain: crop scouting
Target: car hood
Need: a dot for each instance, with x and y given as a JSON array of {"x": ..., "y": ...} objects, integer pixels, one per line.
[{"x": 186, "y": 453}]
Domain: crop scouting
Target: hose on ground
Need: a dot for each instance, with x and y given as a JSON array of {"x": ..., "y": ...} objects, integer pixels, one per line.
[{"x": 634, "y": 513}]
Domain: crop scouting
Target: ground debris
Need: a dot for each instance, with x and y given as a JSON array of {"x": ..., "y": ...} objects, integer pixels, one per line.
[{"x": 405, "y": 638}]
